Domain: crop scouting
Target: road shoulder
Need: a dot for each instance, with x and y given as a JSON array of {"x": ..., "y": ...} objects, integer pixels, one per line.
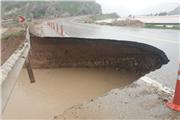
[{"x": 140, "y": 100}]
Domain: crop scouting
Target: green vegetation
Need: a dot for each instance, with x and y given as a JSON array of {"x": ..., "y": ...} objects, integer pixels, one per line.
[
  {"x": 10, "y": 24},
  {"x": 105, "y": 16},
  {"x": 13, "y": 35},
  {"x": 92, "y": 18},
  {"x": 163, "y": 26},
  {"x": 48, "y": 9}
]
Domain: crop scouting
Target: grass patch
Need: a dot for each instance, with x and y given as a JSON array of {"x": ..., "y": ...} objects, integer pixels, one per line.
[
  {"x": 105, "y": 16},
  {"x": 14, "y": 34},
  {"x": 163, "y": 26}
]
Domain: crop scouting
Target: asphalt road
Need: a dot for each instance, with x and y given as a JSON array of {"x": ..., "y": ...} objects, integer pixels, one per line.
[{"x": 166, "y": 40}]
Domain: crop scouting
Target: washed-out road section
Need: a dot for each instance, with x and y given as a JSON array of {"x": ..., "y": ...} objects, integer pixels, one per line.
[{"x": 166, "y": 40}]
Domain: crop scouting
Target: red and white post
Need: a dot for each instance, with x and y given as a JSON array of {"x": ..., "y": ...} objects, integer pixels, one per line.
[
  {"x": 57, "y": 26},
  {"x": 175, "y": 104},
  {"x": 62, "y": 31}
]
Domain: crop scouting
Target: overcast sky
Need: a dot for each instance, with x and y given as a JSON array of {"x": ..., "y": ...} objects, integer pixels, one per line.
[{"x": 125, "y": 7}]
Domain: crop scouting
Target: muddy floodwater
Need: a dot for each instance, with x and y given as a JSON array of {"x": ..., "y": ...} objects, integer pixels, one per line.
[{"x": 58, "y": 89}]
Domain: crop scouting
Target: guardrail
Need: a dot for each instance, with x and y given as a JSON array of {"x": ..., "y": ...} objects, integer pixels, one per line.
[{"x": 10, "y": 70}]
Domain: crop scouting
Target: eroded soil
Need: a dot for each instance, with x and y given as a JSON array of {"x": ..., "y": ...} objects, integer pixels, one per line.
[
  {"x": 10, "y": 43},
  {"x": 70, "y": 71},
  {"x": 95, "y": 53}
]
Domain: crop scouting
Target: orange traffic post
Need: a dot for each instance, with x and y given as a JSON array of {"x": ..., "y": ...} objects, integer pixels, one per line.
[
  {"x": 29, "y": 68},
  {"x": 175, "y": 105}
]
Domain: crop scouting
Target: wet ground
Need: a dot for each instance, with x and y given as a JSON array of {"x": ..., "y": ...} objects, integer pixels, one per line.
[
  {"x": 58, "y": 89},
  {"x": 137, "y": 101}
]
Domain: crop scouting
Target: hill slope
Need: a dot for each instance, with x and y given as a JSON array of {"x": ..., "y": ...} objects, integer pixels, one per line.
[
  {"x": 40, "y": 9},
  {"x": 176, "y": 11}
]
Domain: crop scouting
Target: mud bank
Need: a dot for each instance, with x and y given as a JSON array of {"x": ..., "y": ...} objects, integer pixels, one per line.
[
  {"x": 9, "y": 45},
  {"x": 95, "y": 53}
]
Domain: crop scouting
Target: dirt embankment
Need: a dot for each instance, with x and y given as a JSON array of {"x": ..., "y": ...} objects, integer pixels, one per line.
[
  {"x": 95, "y": 53},
  {"x": 113, "y": 21},
  {"x": 10, "y": 41},
  {"x": 128, "y": 22}
]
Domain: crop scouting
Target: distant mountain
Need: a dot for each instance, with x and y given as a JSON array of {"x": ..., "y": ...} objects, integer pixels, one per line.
[
  {"x": 176, "y": 11},
  {"x": 161, "y": 7},
  {"x": 40, "y": 9}
]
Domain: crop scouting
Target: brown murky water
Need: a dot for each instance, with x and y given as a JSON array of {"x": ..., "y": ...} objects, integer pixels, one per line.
[{"x": 58, "y": 89}]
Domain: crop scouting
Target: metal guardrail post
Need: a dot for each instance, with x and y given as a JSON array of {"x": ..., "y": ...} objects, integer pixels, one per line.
[
  {"x": 29, "y": 68},
  {"x": 27, "y": 62}
]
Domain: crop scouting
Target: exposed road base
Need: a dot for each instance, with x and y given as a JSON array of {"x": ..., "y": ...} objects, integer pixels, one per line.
[{"x": 140, "y": 100}]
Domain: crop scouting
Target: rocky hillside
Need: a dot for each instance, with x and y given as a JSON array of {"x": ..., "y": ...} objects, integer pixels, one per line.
[
  {"x": 176, "y": 11},
  {"x": 41, "y": 9}
]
